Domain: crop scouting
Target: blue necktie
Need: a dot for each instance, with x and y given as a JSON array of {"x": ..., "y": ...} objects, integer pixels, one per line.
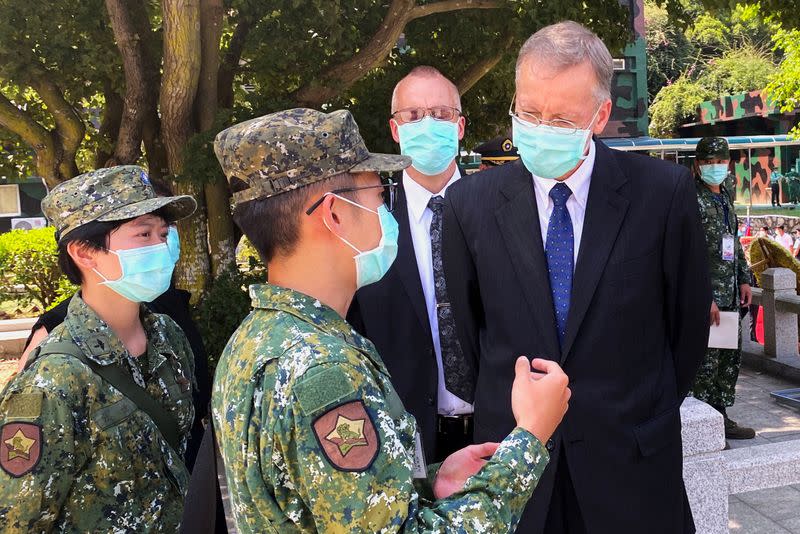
[{"x": 559, "y": 251}]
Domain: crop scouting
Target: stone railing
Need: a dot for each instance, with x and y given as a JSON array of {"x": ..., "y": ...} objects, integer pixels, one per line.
[{"x": 711, "y": 474}]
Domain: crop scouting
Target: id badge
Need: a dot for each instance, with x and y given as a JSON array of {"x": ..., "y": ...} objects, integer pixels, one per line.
[
  {"x": 727, "y": 247},
  {"x": 420, "y": 466}
]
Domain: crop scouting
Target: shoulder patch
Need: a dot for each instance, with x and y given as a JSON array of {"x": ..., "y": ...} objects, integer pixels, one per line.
[
  {"x": 347, "y": 437},
  {"x": 322, "y": 389},
  {"x": 20, "y": 448},
  {"x": 24, "y": 405}
]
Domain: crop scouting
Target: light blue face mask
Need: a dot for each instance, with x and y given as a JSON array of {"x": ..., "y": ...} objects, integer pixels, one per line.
[
  {"x": 714, "y": 174},
  {"x": 174, "y": 243},
  {"x": 372, "y": 265},
  {"x": 549, "y": 151},
  {"x": 146, "y": 272},
  {"x": 432, "y": 145}
]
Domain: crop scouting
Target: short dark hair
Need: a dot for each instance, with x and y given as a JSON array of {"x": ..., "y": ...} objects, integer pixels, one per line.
[
  {"x": 781, "y": 228},
  {"x": 765, "y": 228},
  {"x": 94, "y": 235},
  {"x": 272, "y": 224}
]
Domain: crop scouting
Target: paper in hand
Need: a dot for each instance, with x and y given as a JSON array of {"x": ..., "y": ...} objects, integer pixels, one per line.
[{"x": 726, "y": 335}]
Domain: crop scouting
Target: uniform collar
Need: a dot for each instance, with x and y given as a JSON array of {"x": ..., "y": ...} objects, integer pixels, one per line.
[
  {"x": 310, "y": 310},
  {"x": 99, "y": 342},
  {"x": 418, "y": 197},
  {"x": 578, "y": 182}
]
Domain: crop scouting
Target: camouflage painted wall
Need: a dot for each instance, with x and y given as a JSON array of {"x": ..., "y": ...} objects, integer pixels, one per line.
[
  {"x": 762, "y": 161},
  {"x": 738, "y": 106},
  {"x": 629, "y": 86}
]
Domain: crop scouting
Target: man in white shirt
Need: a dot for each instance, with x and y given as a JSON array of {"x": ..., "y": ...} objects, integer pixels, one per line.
[
  {"x": 783, "y": 238},
  {"x": 410, "y": 304}
]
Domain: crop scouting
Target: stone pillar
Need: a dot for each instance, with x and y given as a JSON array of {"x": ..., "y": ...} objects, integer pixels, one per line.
[
  {"x": 780, "y": 328},
  {"x": 704, "y": 473}
]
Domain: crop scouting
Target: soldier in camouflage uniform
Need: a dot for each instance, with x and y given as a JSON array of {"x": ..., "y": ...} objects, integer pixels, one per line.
[
  {"x": 313, "y": 435},
  {"x": 730, "y": 277},
  {"x": 77, "y": 454}
]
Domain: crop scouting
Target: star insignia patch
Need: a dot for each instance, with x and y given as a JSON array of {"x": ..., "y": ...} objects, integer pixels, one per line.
[
  {"x": 20, "y": 448},
  {"x": 347, "y": 436}
]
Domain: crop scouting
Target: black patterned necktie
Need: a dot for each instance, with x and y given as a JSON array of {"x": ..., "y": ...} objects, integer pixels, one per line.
[{"x": 459, "y": 376}]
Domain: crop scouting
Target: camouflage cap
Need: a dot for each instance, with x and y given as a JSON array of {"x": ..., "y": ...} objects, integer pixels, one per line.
[
  {"x": 282, "y": 151},
  {"x": 712, "y": 148},
  {"x": 109, "y": 194}
]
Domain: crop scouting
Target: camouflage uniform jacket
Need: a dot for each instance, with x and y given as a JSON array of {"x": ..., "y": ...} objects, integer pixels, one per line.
[
  {"x": 86, "y": 459},
  {"x": 726, "y": 276},
  {"x": 315, "y": 438}
]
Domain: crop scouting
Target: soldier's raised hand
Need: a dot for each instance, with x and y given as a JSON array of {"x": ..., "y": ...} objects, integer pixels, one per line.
[{"x": 539, "y": 400}]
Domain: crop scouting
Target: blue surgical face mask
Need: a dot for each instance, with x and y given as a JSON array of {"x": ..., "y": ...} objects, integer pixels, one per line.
[
  {"x": 372, "y": 265},
  {"x": 146, "y": 272},
  {"x": 714, "y": 174},
  {"x": 432, "y": 145},
  {"x": 550, "y": 151},
  {"x": 174, "y": 243}
]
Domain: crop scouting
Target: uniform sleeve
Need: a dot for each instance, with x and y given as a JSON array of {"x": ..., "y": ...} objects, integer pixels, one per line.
[
  {"x": 350, "y": 464},
  {"x": 687, "y": 287},
  {"x": 40, "y": 454}
]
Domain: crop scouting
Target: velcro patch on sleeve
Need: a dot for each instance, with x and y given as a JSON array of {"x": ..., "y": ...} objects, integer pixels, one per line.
[
  {"x": 321, "y": 389},
  {"x": 347, "y": 437},
  {"x": 20, "y": 448},
  {"x": 23, "y": 405}
]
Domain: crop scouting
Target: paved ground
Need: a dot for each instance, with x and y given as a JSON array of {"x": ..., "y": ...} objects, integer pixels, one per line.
[{"x": 772, "y": 511}]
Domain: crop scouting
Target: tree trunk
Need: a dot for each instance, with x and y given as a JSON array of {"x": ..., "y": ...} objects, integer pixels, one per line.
[
  {"x": 138, "y": 96},
  {"x": 109, "y": 126},
  {"x": 220, "y": 222},
  {"x": 182, "y": 55}
]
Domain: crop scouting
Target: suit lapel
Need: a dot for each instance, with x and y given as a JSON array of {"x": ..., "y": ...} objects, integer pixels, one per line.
[
  {"x": 519, "y": 224},
  {"x": 406, "y": 262},
  {"x": 605, "y": 211}
]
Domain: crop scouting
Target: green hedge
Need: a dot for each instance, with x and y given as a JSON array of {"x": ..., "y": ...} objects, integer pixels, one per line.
[{"x": 29, "y": 268}]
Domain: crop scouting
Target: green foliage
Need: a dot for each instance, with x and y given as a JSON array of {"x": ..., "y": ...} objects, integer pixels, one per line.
[
  {"x": 784, "y": 88},
  {"x": 739, "y": 70},
  {"x": 709, "y": 33},
  {"x": 674, "y": 104},
  {"x": 222, "y": 308},
  {"x": 669, "y": 52},
  {"x": 29, "y": 258}
]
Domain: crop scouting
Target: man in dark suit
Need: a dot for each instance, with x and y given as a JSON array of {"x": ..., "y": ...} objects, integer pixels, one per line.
[
  {"x": 593, "y": 258},
  {"x": 407, "y": 314}
]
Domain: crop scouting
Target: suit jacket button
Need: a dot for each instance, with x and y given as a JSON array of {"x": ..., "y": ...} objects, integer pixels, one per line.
[
  {"x": 549, "y": 445},
  {"x": 430, "y": 401}
]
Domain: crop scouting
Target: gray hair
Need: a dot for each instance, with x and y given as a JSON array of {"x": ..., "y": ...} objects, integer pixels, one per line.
[
  {"x": 425, "y": 71},
  {"x": 567, "y": 44}
]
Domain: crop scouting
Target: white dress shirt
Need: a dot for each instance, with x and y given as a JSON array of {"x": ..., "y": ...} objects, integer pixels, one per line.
[
  {"x": 578, "y": 183},
  {"x": 785, "y": 240},
  {"x": 419, "y": 221}
]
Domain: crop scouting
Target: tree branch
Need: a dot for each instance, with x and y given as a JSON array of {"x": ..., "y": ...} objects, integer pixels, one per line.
[
  {"x": 451, "y": 5},
  {"x": 31, "y": 132},
  {"x": 340, "y": 77},
  {"x": 483, "y": 66},
  {"x": 230, "y": 62},
  {"x": 70, "y": 128}
]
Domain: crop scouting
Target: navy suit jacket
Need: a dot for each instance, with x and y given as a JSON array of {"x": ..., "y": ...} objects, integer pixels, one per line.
[{"x": 637, "y": 329}]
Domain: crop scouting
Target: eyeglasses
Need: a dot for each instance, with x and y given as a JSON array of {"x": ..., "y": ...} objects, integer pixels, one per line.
[
  {"x": 564, "y": 126},
  {"x": 389, "y": 192},
  {"x": 439, "y": 113}
]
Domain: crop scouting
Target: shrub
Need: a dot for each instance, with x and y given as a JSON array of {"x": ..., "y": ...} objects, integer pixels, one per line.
[
  {"x": 223, "y": 307},
  {"x": 674, "y": 104},
  {"x": 29, "y": 259}
]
